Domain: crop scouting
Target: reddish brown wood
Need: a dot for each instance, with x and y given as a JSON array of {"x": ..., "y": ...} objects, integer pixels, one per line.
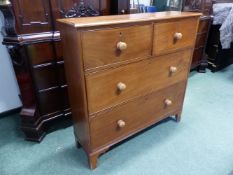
[
  {"x": 178, "y": 116},
  {"x": 205, "y": 6},
  {"x": 32, "y": 21},
  {"x": 136, "y": 114},
  {"x": 105, "y": 93},
  {"x": 166, "y": 41},
  {"x": 33, "y": 40},
  {"x": 112, "y": 103},
  {"x": 77, "y": 91},
  {"x": 99, "y": 47},
  {"x": 199, "y": 57}
]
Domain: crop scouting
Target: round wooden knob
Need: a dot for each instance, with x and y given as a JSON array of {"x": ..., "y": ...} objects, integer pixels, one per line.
[
  {"x": 173, "y": 69},
  {"x": 121, "y": 46},
  {"x": 178, "y": 36},
  {"x": 168, "y": 102},
  {"x": 121, "y": 86},
  {"x": 121, "y": 123}
]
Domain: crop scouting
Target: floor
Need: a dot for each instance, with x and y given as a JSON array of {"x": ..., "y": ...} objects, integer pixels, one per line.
[{"x": 202, "y": 144}]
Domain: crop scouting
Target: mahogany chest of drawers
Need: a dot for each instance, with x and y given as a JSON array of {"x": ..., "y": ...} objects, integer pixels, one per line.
[{"x": 125, "y": 73}]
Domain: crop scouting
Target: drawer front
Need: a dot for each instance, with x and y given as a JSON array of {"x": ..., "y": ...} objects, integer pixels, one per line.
[
  {"x": 41, "y": 53},
  {"x": 45, "y": 77},
  {"x": 172, "y": 36},
  {"x": 111, "y": 87},
  {"x": 108, "y": 46},
  {"x": 49, "y": 76},
  {"x": 51, "y": 101},
  {"x": 135, "y": 115}
]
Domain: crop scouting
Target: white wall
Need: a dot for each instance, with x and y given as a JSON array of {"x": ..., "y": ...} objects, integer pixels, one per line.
[
  {"x": 9, "y": 91},
  {"x": 146, "y": 2}
]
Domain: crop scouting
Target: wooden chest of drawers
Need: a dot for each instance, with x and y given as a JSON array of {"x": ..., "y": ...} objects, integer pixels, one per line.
[{"x": 125, "y": 73}]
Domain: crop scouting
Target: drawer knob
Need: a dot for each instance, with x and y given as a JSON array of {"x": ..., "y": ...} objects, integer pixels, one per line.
[
  {"x": 178, "y": 36},
  {"x": 121, "y": 86},
  {"x": 173, "y": 69},
  {"x": 121, "y": 46},
  {"x": 168, "y": 102},
  {"x": 121, "y": 123}
]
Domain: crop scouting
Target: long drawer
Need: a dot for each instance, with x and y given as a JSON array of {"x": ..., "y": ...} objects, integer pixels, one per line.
[
  {"x": 112, "y": 87},
  {"x": 132, "y": 116}
]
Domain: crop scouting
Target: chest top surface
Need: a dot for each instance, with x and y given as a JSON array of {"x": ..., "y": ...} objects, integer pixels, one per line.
[{"x": 123, "y": 19}]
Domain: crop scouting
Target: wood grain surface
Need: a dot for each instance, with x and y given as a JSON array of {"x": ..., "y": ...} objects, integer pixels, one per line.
[
  {"x": 144, "y": 110},
  {"x": 100, "y": 46},
  {"x": 127, "y": 19},
  {"x": 140, "y": 78}
]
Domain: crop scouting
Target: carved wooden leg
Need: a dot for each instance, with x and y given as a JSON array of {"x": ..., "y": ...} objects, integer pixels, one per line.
[
  {"x": 33, "y": 130},
  {"x": 178, "y": 117},
  {"x": 93, "y": 160},
  {"x": 32, "y": 134}
]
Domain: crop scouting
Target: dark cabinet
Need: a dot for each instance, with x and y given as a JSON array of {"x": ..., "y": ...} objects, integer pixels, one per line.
[
  {"x": 120, "y": 7},
  {"x": 199, "y": 60},
  {"x": 32, "y": 16},
  {"x": 33, "y": 40}
]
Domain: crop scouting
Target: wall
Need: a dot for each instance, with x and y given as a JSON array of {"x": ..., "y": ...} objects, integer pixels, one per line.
[
  {"x": 146, "y": 2},
  {"x": 9, "y": 91}
]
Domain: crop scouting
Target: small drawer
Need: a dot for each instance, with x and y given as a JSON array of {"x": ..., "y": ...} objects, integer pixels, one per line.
[
  {"x": 201, "y": 40},
  {"x": 45, "y": 77},
  {"x": 172, "y": 36},
  {"x": 112, "y": 87},
  {"x": 40, "y": 53},
  {"x": 54, "y": 100},
  {"x": 121, "y": 121},
  {"x": 109, "y": 46},
  {"x": 49, "y": 75}
]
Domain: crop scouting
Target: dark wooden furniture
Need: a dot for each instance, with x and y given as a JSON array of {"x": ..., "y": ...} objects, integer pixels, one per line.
[
  {"x": 199, "y": 56},
  {"x": 199, "y": 61},
  {"x": 120, "y": 7},
  {"x": 125, "y": 73},
  {"x": 218, "y": 58},
  {"x": 33, "y": 40}
]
